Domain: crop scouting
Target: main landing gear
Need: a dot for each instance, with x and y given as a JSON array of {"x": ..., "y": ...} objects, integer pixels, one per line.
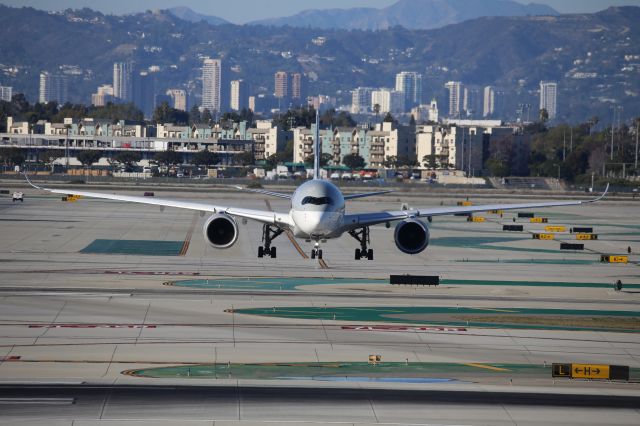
[
  {"x": 269, "y": 232},
  {"x": 316, "y": 251},
  {"x": 362, "y": 235}
]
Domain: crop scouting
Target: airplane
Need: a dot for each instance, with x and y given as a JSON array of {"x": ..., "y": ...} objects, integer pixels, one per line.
[{"x": 317, "y": 214}]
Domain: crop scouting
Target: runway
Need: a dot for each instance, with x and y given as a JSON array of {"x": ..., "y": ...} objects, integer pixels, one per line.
[{"x": 85, "y": 318}]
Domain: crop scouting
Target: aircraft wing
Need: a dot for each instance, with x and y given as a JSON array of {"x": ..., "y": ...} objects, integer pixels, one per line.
[
  {"x": 367, "y": 219},
  {"x": 263, "y": 216}
]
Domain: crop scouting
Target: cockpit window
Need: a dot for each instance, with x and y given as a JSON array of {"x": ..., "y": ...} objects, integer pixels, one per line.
[{"x": 317, "y": 201}]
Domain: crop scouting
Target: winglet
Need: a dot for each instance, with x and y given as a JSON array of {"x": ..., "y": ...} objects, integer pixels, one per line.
[
  {"x": 29, "y": 182},
  {"x": 606, "y": 189}
]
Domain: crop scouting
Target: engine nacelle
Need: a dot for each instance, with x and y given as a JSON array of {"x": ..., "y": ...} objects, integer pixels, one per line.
[
  {"x": 411, "y": 236},
  {"x": 221, "y": 231}
]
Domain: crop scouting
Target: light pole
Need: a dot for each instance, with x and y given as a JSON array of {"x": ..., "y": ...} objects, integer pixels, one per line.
[{"x": 637, "y": 131}]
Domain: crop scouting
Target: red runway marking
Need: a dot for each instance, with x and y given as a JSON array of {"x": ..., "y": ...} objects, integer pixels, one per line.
[{"x": 398, "y": 328}]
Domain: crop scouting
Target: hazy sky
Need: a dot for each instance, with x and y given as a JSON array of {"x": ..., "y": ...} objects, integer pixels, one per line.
[{"x": 241, "y": 11}]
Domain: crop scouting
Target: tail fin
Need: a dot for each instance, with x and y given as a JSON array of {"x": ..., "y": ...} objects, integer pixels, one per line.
[{"x": 317, "y": 151}]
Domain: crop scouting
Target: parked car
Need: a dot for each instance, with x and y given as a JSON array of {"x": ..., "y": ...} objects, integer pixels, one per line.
[{"x": 18, "y": 196}]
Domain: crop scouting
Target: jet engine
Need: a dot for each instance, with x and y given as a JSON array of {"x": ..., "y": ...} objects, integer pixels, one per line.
[
  {"x": 221, "y": 231},
  {"x": 411, "y": 236}
]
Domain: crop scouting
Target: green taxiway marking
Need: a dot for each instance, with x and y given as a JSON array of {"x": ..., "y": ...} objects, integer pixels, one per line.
[
  {"x": 139, "y": 247},
  {"x": 313, "y": 370},
  {"x": 514, "y": 318},
  {"x": 295, "y": 283}
]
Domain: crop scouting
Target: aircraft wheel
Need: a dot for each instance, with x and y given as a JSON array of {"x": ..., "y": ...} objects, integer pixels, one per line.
[
  {"x": 357, "y": 256},
  {"x": 319, "y": 254},
  {"x": 313, "y": 253},
  {"x": 260, "y": 251},
  {"x": 273, "y": 252},
  {"x": 370, "y": 254}
]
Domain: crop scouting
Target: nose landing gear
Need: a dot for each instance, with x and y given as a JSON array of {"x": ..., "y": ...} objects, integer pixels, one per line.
[
  {"x": 362, "y": 236},
  {"x": 269, "y": 232},
  {"x": 316, "y": 252}
]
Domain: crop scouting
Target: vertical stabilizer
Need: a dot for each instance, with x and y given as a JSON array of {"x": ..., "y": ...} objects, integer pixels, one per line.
[{"x": 317, "y": 151}]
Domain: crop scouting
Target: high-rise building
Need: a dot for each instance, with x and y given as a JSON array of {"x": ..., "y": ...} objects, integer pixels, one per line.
[
  {"x": 361, "y": 100},
  {"x": 489, "y": 101},
  {"x": 122, "y": 81},
  {"x": 5, "y": 93},
  {"x": 281, "y": 85},
  {"x": 103, "y": 96},
  {"x": 472, "y": 101},
  {"x": 455, "y": 98},
  {"x": 298, "y": 88},
  {"x": 549, "y": 98},
  {"x": 410, "y": 84},
  {"x": 388, "y": 100},
  {"x": 212, "y": 84},
  {"x": 178, "y": 98},
  {"x": 144, "y": 92},
  {"x": 238, "y": 95},
  {"x": 53, "y": 87}
]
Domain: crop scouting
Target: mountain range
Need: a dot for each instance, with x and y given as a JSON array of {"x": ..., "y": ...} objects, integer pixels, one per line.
[
  {"x": 593, "y": 57},
  {"x": 411, "y": 14}
]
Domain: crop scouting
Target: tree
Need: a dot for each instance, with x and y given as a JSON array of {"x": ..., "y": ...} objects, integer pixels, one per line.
[
  {"x": 246, "y": 158},
  {"x": 324, "y": 159},
  {"x": 353, "y": 161},
  {"x": 12, "y": 156},
  {"x": 128, "y": 158},
  {"x": 497, "y": 167},
  {"x": 204, "y": 158},
  {"x": 206, "y": 117},
  {"x": 388, "y": 118},
  {"x": 391, "y": 162},
  {"x": 49, "y": 156},
  {"x": 543, "y": 115},
  {"x": 87, "y": 158},
  {"x": 194, "y": 115},
  {"x": 165, "y": 114},
  {"x": 429, "y": 161},
  {"x": 168, "y": 158},
  {"x": 376, "y": 109}
]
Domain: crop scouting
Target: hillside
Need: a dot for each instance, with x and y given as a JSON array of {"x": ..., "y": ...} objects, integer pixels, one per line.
[
  {"x": 594, "y": 57},
  {"x": 411, "y": 14}
]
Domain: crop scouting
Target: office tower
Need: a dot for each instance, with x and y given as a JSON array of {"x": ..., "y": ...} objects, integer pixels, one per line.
[
  {"x": 281, "y": 85},
  {"x": 212, "y": 84},
  {"x": 410, "y": 84},
  {"x": 53, "y": 87},
  {"x": 433, "y": 111},
  {"x": 298, "y": 88},
  {"x": 472, "y": 101},
  {"x": 6, "y": 93},
  {"x": 122, "y": 81},
  {"x": 455, "y": 98},
  {"x": 489, "y": 102},
  {"x": 178, "y": 99},
  {"x": 361, "y": 100},
  {"x": 103, "y": 95},
  {"x": 549, "y": 97},
  {"x": 144, "y": 92},
  {"x": 238, "y": 95}
]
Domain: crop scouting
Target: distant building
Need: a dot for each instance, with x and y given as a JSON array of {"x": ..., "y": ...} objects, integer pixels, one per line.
[
  {"x": 6, "y": 93},
  {"x": 298, "y": 88},
  {"x": 388, "y": 100},
  {"x": 238, "y": 95},
  {"x": 472, "y": 101},
  {"x": 281, "y": 85},
  {"x": 53, "y": 87},
  {"x": 361, "y": 100},
  {"x": 144, "y": 92},
  {"x": 549, "y": 98},
  {"x": 178, "y": 98},
  {"x": 103, "y": 96},
  {"x": 424, "y": 113},
  {"x": 123, "y": 81},
  {"x": 455, "y": 98},
  {"x": 410, "y": 84},
  {"x": 493, "y": 101},
  {"x": 212, "y": 84}
]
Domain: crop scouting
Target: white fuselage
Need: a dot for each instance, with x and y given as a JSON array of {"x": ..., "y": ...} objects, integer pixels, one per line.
[{"x": 317, "y": 210}]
